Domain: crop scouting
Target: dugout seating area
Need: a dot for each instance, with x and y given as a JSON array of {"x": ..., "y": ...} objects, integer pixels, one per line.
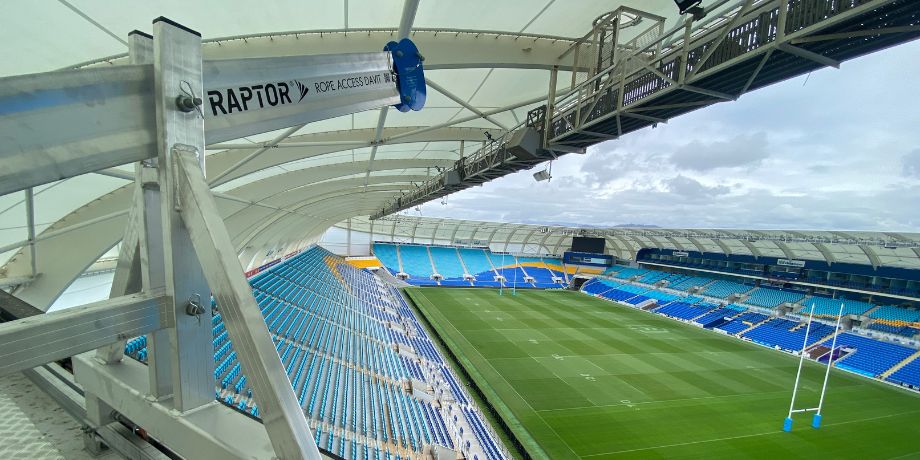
[{"x": 351, "y": 347}]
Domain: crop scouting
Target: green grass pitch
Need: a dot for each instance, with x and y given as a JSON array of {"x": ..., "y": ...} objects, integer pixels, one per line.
[{"x": 578, "y": 377}]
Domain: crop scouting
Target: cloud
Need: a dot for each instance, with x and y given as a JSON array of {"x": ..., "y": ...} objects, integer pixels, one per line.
[
  {"x": 693, "y": 189},
  {"x": 819, "y": 166},
  {"x": 741, "y": 150},
  {"x": 910, "y": 165}
]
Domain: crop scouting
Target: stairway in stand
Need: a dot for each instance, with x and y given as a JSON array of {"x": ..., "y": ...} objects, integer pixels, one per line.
[{"x": 899, "y": 365}]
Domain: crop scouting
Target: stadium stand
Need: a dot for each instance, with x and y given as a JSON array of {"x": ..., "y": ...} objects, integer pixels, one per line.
[
  {"x": 869, "y": 357},
  {"x": 742, "y": 322},
  {"x": 908, "y": 375},
  {"x": 863, "y": 355},
  {"x": 447, "y": 261},
  {"x": 477, "y": 262},
  {"x": 715, "y": 317},
  {"x": 452, "y": 263},
  {"x": 905, "y": 331},
  {"x": 653, "y": 276},
  {"x": 415, "y": 260},
  {"x": 723, "y": 288},
  {"x": 767, "y": 297},
  {"x": 626, "y": 273},
  {"x": 828, "y": 308},
  {"x": 786, "y": 334},
  {"x": 387, "y": 255},
  {"x": 895, "y": 315},
  {"x": 683, "y": 310},
  {"x": 332, "y": 327},
  {"x": 689, "y": 282}
]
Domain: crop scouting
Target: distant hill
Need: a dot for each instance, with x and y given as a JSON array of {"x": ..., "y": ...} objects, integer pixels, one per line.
[{"x": 578, "y": 225}]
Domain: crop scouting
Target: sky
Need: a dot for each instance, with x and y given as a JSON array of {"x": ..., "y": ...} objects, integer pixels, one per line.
[{"x": 835, "y": 150}]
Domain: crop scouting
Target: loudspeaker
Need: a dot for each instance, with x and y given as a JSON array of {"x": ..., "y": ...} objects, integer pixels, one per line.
[
  {"x": 451, "y": 177},
  {"x": 524, "y": 144}
]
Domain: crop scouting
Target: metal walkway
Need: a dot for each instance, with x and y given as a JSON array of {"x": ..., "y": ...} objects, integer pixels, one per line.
[{"x": 758, "y": 44}]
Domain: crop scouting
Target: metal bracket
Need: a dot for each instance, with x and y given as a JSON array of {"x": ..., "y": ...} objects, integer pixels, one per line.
[{"x": 194, "y": 308}]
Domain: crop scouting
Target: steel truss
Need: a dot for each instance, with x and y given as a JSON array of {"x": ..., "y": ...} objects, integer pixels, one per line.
[
  {"x": 156, "y": 111},
  {"x": 752, "y": 45}
]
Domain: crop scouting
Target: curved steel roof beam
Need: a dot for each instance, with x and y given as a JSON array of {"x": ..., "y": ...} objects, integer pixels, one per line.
[
  {"x": 252, "y": 224},
  {"x": 324, "y": 143},
  {"x": 268, "y": 187},
  {"x": 443, "y": 48}
]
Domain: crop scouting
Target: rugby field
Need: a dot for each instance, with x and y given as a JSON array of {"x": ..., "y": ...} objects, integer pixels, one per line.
[{"x": 574, "y": 376}]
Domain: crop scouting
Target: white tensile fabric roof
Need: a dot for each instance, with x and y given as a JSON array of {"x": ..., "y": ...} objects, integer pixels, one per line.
[
  {"x": 865, "y": 248},
  {"x": 483, "y": 54}
]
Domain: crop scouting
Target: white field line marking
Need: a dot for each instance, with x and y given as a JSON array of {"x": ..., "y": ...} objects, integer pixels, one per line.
[
  {"x": 500, "y": 375},
  {"x": 728, "y": 438},
  {"x": 666, "y": 401}
]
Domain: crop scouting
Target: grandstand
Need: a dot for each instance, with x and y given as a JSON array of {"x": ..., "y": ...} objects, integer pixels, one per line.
[
  {"x": 466, "y": 267},
  {"x": 349, "y": 345},
  {"x": 215, "y": 241}
]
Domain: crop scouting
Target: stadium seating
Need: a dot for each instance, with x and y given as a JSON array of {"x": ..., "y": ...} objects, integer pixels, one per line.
[
  {"x": 786, "y": 334},
  {"x": 895, "y": 315},
  {"x": 452, "y": 263},
  {"x": 653, "y": 276},
  {"x": 447, "y": 262},
  {"x": 689, "y": 282},
  {"x": 723, "y": 288},
  {"x": 766, "y": 297},
  {"x": 715, "y": 315},
  {"x": 828, "y": 308},
  {"x": 329, "y": 322},
  {"x": 682, "y": 310},
  {"x": 907, "y": 375},
  {"x": 477, "y": 262},
  {"x": 663, "y": 297},
  {"x": 905, "y": 331},
  {"x": 415, "y": 260},
  {"x": 871, "y": 357},
  {"x": 742, "y": 322},
  {"x": 386, "y": 254},
  {"x": 626, "y": 273}
]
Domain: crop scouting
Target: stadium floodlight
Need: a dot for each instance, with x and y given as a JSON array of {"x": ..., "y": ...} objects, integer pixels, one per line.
[
  {"x": 540, "y": 176},
  {"x": 546, "y": 174}
]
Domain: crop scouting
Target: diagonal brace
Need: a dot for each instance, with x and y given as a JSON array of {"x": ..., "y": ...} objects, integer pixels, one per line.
[{"x": 281, "y": 414}]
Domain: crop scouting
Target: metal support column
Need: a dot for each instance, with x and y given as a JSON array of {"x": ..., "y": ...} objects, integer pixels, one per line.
[
  {"x": 177, "y": 72},
  {"x": 550, "y": 106}
]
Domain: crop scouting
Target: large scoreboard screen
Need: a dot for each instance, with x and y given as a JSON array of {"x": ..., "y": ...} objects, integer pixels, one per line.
[
  {"x": 587, "y": 244},
  {"x": 587, "y": 258}
]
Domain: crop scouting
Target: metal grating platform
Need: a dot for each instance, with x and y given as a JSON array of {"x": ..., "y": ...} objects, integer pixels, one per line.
[{"x": 32, "y": 426}]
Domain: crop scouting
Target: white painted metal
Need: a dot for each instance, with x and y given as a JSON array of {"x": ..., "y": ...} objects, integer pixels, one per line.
[
  {"x": 830, "y": 359},
  {"x": 798, "y": 374}
]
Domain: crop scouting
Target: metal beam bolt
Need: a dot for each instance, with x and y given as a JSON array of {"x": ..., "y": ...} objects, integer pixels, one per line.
[{"x": 187, "y": 103}]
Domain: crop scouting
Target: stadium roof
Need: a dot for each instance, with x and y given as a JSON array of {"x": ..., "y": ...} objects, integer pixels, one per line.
[
  {"x": 487, "y": 64},
  {"x": 866, "y": 248},
  {"x": 481, "y": 57}
]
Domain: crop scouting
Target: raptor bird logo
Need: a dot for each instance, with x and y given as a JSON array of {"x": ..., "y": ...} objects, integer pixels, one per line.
[{"x": 303, "y": 89}]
